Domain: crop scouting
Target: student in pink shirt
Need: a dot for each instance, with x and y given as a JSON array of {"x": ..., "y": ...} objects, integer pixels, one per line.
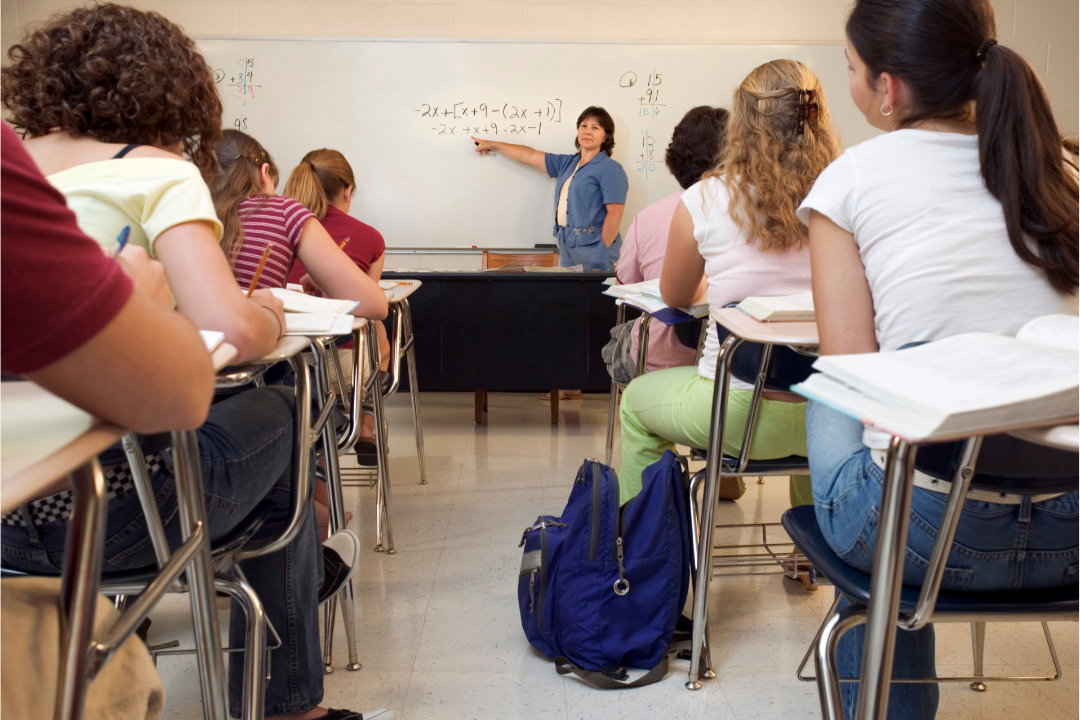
[{"x": 695, "y": 149}]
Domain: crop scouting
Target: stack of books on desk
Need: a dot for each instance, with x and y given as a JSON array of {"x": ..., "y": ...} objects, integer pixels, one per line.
[
  {"x": 309, "y": 315},
  {"x": 959, "y": 386},
  {"x": 646, "y": 296}
]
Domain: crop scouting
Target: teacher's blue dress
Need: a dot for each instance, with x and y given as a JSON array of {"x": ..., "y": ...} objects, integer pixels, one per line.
[{"x": 598, "y": 183}]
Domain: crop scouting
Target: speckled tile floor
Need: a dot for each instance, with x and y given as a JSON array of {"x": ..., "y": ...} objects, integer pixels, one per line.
[{"x": 437, "y": 623}]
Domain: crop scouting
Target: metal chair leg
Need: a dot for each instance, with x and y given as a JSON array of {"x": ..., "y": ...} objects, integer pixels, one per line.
[
  {"x": 613, "y": 406},
  {"x": 79, "y": 588},
  {"x": 828, "y": 677},
  {"x": 348, "y": 612},
  {"x": 254, "y": 643},
  {"x": 414, "y": 388},
  {"x": 200, "y": 578},
  {"x": 329, "y": 615},
  {"x": 978, "y": 640},
  {"x": 382, "y": 515}
]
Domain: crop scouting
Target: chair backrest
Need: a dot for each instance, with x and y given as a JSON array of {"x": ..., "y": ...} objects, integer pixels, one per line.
[
  {"x": 1005, "y": 464},
  {"x": 786, "y": 368},
  {"x": 539, "y": 259}
]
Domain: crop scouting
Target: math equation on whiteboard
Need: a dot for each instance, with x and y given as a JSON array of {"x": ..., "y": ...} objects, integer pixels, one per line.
[
  {"x": 489, "y": 119},
  {"x": 649, "y": 104}
]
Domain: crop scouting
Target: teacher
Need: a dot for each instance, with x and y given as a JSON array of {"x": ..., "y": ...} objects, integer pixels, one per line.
[{"x": 590, "y": 190}]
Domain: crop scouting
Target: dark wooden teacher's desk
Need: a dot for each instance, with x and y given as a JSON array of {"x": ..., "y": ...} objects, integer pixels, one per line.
[{"x": 510, "y": 332}]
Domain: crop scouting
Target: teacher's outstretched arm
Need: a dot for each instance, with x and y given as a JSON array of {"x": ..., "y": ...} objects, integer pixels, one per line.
[{"x": 521, "y": 153}]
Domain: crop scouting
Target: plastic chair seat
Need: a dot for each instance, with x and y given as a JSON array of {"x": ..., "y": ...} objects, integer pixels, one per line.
[
  {"x": 753, "y": 467},
  {"x": 802, "y": 526}
]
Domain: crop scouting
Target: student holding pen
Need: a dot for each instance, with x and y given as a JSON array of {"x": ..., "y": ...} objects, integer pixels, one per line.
[{"x": 118, "y": 161}]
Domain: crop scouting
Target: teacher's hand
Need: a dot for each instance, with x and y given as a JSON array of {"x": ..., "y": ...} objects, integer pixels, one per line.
[{"x": 484, "y": 147}]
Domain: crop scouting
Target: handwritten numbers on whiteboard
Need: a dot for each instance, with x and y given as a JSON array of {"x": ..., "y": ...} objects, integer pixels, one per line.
[
  {"x": 243, "y": 81},
  {"x": 628, "y": 79},
  {"x": 646, "y": 159},
  {"x": 649, "y": 104}
]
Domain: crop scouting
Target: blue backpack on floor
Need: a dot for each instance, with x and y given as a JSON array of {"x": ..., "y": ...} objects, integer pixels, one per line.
[{"x": 602, "y": 586}]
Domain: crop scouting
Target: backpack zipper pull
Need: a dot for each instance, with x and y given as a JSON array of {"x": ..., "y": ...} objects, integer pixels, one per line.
[
  {"x": 622, "y": 585},
  {"x": 532, "y": 590}
]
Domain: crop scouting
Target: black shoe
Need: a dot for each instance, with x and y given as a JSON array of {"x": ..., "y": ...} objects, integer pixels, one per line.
[
  {"x": 381, "y": 714},
  {"x": 335, "y": 573},
  {"x": 366, "y": 453}
]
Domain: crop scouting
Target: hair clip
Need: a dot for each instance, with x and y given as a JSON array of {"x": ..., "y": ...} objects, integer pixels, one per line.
[{"x": 808, "y": 110}]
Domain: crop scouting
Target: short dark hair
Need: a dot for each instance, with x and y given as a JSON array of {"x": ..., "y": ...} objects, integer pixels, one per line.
[
  {"x": 119, "y": 75},
  {"x": 696, "y": 144},
  {"x": 604, "y": 120}
]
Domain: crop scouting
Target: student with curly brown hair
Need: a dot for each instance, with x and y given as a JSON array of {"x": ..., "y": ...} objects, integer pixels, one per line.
[
  {"x": 737, "y": 226},
  {"x": 111, "y": 99}
]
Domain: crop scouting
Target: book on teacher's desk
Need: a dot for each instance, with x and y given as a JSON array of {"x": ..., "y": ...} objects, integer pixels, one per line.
[
  {"x": 965, "y": 384},
  {"x": 789, "y": 308}
]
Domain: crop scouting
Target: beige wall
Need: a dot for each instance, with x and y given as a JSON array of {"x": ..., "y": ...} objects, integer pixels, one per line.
[{"x": 1044, "y": 31}]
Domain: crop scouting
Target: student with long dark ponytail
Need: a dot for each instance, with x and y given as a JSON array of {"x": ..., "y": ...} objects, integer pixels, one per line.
[{"x": 961, "y": 218}]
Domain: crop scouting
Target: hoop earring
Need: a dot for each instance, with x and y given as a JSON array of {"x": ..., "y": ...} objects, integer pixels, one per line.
[{"x": 886, "y": 113}]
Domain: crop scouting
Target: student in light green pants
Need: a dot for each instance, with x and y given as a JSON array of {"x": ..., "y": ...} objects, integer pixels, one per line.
[
  {"x": 737, "y": 226},
  {"x": 672, "y": 406}
]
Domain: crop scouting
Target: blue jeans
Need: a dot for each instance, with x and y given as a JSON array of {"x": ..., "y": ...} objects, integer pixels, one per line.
[
  {"x": 997, "y": 547},
  {"x": 246, "y": 450}
]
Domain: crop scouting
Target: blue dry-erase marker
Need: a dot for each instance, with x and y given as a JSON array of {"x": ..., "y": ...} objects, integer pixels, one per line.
[{"x": 122, "y": 239}]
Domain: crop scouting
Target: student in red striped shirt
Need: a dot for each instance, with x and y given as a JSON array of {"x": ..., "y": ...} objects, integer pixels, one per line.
[{"x": 254, "y": 217}]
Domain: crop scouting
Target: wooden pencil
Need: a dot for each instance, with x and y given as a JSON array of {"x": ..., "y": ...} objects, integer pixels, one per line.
[{"x": 259, "y": 271}]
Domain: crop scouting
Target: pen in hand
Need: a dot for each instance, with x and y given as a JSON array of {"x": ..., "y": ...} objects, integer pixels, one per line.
[
  {"x": 122, "y": 240},
  {"x": 259, "y": 270}
]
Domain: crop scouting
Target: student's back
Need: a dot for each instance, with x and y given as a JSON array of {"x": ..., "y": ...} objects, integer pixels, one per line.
[
  {"x": 695, "y": 148},
  {"x": 932, "y": 239}
]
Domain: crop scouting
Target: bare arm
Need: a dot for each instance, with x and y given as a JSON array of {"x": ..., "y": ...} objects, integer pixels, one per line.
[
  {"x": 842, "y": 301},
  {"x": 520, "y": 153},
  {"x": 206, "y": 291},
  {"x": 611, "y": 223},
  {"x": 682, "y": 275},
  {"x": 336, "y": 274},
  {"x": 374, "y": 270},
  {"x": 147, "y": 370}
]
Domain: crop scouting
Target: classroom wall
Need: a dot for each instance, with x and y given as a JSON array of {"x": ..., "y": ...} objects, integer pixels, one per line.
[{"x": 1043, "y": 31}]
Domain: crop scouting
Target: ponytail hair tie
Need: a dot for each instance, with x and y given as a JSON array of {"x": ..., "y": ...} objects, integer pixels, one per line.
[{"x": 980, "y": 54}]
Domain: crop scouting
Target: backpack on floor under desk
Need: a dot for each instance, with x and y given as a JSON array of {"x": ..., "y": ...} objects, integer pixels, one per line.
[{"x": 602, "y": 586}]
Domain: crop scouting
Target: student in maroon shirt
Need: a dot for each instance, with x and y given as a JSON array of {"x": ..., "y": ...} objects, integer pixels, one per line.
[{"x": 324, "y": 183}]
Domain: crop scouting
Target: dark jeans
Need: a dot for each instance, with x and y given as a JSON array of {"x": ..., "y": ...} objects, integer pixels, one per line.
[{"x": 246, "y": 450}]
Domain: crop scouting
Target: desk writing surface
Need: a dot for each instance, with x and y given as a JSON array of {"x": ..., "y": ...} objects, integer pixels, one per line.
[
  {"x": 402, "y": 291},
  {"x": 1062, "y": 437},
  {"x": 42, "y": 438},
  {"x": 778, "y": 333},
  {"x": 223, "y": 355},
  {"x": 286, "y": 347}
]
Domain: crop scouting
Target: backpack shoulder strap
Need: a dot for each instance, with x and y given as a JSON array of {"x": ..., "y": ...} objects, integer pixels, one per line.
[{"x": 597, "y": 679}]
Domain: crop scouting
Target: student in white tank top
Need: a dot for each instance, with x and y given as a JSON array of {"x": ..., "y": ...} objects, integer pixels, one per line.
[{"x": 963, "y": 217}]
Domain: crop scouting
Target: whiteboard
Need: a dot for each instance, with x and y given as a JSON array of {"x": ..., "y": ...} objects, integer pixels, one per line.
[{"x": 402, "y": 113}]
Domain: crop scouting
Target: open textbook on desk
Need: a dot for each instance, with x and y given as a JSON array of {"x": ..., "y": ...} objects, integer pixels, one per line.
[
  {"x": 646, "y": 296},
  {"x": 960, "y": 385}
]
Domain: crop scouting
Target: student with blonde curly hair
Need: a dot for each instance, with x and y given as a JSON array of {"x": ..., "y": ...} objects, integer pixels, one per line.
[{"x": 739, "y": 227}]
